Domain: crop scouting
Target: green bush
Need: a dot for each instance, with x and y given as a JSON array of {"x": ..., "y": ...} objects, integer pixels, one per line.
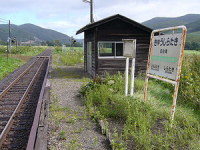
[
  {"x": 189, "y": 89},
  {"x": 146, "y": 125}
]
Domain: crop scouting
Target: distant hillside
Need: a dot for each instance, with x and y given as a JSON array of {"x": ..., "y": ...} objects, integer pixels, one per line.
[
  {"x": 44, "y": 34},
  {"x": 163, "y": 22},
  {"x": 191, "y": 21},
  {"x": 193, "y": 26},
  {"x": 28, "y": 31}
]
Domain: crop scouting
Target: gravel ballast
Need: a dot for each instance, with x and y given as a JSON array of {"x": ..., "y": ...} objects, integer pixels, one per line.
[{"x": 75, "y": 130}]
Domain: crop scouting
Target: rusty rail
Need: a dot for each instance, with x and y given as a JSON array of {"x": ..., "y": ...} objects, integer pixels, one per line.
[{"x": 11, "y": 120}]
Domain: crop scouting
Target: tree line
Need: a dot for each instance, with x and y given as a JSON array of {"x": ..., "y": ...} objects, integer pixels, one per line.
[
  {"x": 57, "y": 43},
  {"x": 48, "y": 43},
  {"x": 188, "y": 45},
  {"x": 192, "y": 46}
]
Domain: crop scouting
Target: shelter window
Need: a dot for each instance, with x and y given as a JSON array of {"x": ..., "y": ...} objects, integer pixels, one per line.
[{"x": 110, "y": 49}]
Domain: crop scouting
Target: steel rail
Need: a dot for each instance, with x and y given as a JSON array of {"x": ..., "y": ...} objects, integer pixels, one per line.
[
  {"x": 11, "y": 120},
  {"x": 12, "y": 83}
]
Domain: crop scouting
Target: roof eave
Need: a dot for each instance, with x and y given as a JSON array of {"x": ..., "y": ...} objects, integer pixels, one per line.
[{"x": 110, "y": 19}]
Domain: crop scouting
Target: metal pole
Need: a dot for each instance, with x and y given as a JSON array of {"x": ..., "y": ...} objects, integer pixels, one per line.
[
  {"x": 70, "y": 44},
  {"x": 9, "y": 40},
  {"x": 174, "y": 100},
  {"x": 91, "y": 11},
  {"x": 145, "y": 88},
  {"x": 7, "y": 50},
  {"x": 179, "y": 72},
  {"x": 16, "y": 46},
  {"x": 126, "y": 80},
  {"x": 132, "y": 76},
  {"x": 148, "y": 64}
]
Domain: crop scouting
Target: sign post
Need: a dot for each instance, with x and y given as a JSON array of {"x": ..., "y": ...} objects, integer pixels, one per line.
[
  {"x": 129, "y": 51},
  {"x": 165, "y": 58}
]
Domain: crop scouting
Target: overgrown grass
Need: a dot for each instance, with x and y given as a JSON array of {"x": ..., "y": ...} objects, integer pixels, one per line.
[
  {"x": 189, "y": 91},
  {"x": 191, "y": 52},
  {"x": 72, "y": 58},
  {"x": 8, "y": 65},
  {"x": 68, "y": 57},
  {"x": 24, "y": 50},
  {"x": 59, "y": 50},
  {"x": 17, "y": 59},
  {"x": 148, "y": 125}
]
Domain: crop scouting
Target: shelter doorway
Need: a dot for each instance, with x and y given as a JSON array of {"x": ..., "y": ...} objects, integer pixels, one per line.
[{"x": 89, "y": 57}]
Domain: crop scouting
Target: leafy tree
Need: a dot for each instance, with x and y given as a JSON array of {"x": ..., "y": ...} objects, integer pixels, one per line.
[
  {"x": 57, "y": 43},
  {"x": 50, "y": 43},
  {"x": 78, "y": 44},
  {"x": 43, "y": 43},
  {"x": 192, "y": 46}
]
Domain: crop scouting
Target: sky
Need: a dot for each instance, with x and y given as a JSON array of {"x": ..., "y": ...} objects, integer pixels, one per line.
[{"x": 68, "y": 16}]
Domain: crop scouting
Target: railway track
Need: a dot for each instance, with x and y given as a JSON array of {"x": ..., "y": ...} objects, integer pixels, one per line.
[{"x": 18, "y": 103}]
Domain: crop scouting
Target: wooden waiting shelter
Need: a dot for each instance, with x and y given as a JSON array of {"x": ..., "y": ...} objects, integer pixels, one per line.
[{"x": 103, "y": 45}]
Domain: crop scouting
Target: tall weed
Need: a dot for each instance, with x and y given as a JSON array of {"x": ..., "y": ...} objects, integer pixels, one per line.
[
  {"x": 146, "y": 125},
  {"x": 189, "y": 90},
  {"x": 72, "y": 57}
]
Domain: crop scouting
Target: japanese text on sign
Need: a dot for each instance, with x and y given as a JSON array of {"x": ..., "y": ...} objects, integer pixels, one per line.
[
  {"x": 173, "y": 41},
  {"x": 165, "y": 55}
]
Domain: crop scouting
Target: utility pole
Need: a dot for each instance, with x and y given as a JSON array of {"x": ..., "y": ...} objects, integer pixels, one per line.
[
  {"x": 91, "y": 9},
  {"x": 9, "y": 40}
]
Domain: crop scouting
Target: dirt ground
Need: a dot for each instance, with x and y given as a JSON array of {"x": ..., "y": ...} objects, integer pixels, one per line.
[{"x": 75, "y": 130}]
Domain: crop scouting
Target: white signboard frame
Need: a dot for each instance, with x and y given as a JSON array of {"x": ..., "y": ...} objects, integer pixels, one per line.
[{"x": 165, "y": 58}]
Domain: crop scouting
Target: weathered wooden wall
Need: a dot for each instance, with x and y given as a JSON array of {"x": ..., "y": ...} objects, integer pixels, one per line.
[
  {"x": 116, "y": 30},
  {"x": 112, "y": 66}
]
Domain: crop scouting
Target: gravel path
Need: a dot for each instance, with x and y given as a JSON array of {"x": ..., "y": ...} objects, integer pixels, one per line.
[{"x": 69, "y": 125}]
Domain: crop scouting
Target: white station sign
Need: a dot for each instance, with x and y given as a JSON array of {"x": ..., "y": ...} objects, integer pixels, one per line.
[{"x": 165, "y": 55}]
